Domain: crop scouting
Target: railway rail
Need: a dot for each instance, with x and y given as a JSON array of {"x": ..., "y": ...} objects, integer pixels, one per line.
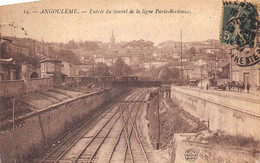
[
  {"x": 73, "y": 135},
  {"x": 126, "y": 146},
  {"x": 112, "y": 135}
]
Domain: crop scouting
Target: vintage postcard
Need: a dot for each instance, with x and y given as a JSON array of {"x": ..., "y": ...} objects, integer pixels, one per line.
[{"x": 120, "y": 81}]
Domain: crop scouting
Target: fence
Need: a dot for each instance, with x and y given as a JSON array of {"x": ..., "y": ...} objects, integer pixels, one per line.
[{"x": 13, "y": 87}]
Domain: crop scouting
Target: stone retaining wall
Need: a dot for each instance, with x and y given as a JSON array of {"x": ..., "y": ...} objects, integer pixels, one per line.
[
  {"x": 231, "y": 114},
  {"x": 40, "y": 128}
]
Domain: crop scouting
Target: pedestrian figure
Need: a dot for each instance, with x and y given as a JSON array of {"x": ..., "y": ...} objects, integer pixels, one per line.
[
  {"x": 229, "y": 85},
  {"x": 243, "y": 86},
  {"x": 248, "y": 87},
  {"x": 207, "y": 86}
]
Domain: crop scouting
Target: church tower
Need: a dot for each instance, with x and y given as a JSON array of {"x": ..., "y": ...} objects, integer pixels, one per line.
[{"x": 112, "y": 39}]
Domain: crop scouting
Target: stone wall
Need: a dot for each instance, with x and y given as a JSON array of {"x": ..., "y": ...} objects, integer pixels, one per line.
[
  {"x": 40, "y": 128},
  {"x": 38, "y": 84},
  {"x": 14, "y": 87},
  {"x": 234, "y": 115},
  {"x": 11, "y": 87}
]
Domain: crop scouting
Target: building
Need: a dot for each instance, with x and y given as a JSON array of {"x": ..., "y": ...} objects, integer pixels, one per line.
[
  {"x": 29, "y": 71},
  {"x": 112, "y": 39},
  {"x": 166, "y": 53},
  {"x": 126, "y": 59},
  {"x": 169, "y": 45},
  {"x": 224, "y": 70},
  {"x": 195, "y": 72},
  {"x": 9, "y": 71},
  {"x": 178, "y": 64},
  {"x": 69, "y": 69},
  {"x": 109, "y": 60},
  {"x": 51, "y": 68},
  {"x": 139, "y": 45},
  {"x": 250, "y": 74},
  {"x": 154, "y": 64}
]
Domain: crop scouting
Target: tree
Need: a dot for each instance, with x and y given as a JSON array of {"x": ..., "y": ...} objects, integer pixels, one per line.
[
  {"x": 211, "y": 56},
  {"x": 101, "y": 69},
  {"x": 120, "y": 68},
  {"x": 167, "y": 74},
  {"x": 71, "y": 45},
  {"x": 192, "y": 50},
  {"x": 164, "y": 74},
  {"x": 175, "y": 73},
  {"x": 81, "y": 44},
  {"x": 189, "y": 52},
  {"x": 90, "y": 45},
  {"x": 68, "y": 56}
]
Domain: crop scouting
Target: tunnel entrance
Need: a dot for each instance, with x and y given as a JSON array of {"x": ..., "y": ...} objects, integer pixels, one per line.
[{"x": 34, "y": 75}]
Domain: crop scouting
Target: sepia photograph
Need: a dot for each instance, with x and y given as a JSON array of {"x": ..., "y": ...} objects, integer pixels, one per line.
[{"x": 130, "y": 81}]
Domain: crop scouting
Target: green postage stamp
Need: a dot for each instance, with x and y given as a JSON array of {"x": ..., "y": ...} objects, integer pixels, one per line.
[{"x": 239, "y": 24}]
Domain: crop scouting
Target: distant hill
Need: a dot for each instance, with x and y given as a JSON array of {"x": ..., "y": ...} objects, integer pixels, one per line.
[{"x": 67, "y": 56}]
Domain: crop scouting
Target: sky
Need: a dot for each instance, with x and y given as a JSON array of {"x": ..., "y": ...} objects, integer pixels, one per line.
[{"x": 202, "y": 21}]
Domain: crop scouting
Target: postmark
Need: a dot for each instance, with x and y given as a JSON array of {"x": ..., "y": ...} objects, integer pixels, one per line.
[
  {"x": 191, "y": 155},
  {"x": 240, "y": 29}
]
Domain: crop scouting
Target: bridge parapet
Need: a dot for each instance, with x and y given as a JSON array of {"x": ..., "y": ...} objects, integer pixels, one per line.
[
  {"x": 241, "y": 102},
  {"x": 137, "y": 84}
]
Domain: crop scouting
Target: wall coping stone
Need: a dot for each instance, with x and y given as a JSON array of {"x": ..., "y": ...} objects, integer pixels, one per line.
[
  {"x": 53, "y": 106},
  {"x": 229, "y": 107}
]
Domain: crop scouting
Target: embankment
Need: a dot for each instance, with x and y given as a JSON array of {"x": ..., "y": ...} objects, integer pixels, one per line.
[{"x": 37, "y": 129}]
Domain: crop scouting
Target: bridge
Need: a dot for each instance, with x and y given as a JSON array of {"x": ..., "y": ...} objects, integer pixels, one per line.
[{"x": 146, "y": 84}]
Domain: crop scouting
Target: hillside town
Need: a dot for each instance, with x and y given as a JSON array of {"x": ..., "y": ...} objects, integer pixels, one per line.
[{"x": 188, "y": 60}]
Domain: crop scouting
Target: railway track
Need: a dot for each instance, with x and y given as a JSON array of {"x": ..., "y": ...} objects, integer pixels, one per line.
[
  {"x": 113, "y": 135},
  {"x": 74, "y": 135},
  {"x": 120, "y": 142},
  {"x": 136, "y": 151}
]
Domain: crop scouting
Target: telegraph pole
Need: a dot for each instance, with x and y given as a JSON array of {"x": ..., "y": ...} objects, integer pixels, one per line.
[
  {"x": 158, "y": 117},
  {"x": 230, "y": 66},
  {"x": 0, "y": 42},
  {"x": 13, "y": 112},
  {"x": 92, "y": 70},
  {"x": 34, "y": 48},
  {"x": 171, "y": 50},
  {"x": 211, "y": 69},
  {"x": 201, "y": 76},
  {"x": 181, "y": 57}
]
